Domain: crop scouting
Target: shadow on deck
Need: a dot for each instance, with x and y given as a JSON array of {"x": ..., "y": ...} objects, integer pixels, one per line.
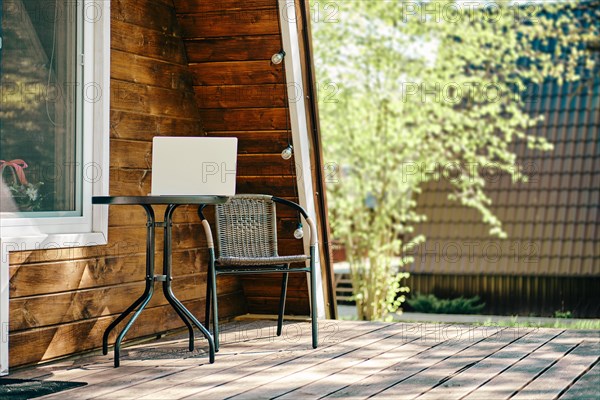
[{"x": 355, "y": 360}]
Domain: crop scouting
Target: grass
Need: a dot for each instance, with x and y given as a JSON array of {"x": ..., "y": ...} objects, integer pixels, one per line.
[
  {"x": 515, "y": 321},
  {"x": 560, "y": 323}
]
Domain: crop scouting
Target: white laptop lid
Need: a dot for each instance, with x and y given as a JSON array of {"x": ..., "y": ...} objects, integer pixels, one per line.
[{"x": 194, "y": 166}]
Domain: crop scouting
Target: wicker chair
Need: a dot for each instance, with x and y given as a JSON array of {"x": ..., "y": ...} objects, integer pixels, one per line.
[{"x": 247, "y": 244}]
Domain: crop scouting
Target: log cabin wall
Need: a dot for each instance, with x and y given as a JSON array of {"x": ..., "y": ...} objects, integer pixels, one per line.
[
  {"x": 62, "y": 300},
  {"x": 240, "y": 93}
]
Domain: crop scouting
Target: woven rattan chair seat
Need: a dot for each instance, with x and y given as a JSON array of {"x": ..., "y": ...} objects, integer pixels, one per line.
[{"x": 242, "y": 261}]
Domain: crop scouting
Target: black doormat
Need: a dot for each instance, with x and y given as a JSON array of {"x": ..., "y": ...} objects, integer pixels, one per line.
[{"x": 23, "y": 389}]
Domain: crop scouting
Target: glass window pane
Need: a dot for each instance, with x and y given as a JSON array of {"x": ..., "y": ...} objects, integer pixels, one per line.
[{"x": 39, "y": 135}]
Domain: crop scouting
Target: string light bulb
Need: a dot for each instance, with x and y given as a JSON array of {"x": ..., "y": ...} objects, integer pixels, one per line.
[
  {"x": 299, "y": 233},
  {"x": 286, "y": 154},
  {"x": 277, "y": 58}
]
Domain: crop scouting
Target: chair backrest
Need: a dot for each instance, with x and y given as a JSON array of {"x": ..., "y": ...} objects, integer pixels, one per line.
[{"x": 247, "y": 227}]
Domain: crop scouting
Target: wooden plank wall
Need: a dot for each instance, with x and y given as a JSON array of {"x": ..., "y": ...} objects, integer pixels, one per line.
[
  {"x": 62, "y": 300},
  {"x": 241, "y": 93}
]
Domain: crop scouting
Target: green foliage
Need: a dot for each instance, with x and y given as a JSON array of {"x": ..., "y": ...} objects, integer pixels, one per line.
[
  {"x": 563, "y": 314},
  {"x": 413, "y": 98},
  {"x": 431, "y": 304}
]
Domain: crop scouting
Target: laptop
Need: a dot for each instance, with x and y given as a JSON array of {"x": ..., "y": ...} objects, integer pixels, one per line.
[{"x": 194, "y": 166}]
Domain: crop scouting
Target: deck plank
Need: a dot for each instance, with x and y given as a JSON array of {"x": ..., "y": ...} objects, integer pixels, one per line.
[
  {"x": 445, "y": 346},
  {"x": 560, "y": 375},
  {"x": 344, "y": 373},
  {"x": 469, "y": 379},
  {"x": 282, "y": 383},
  {"x": 102, "y": 378},
  {"x": 331, "y": 383},
  {"x": 135, "y": 360},
  {"x": 150, "y": 358},
  {"x": 586, "y": 388},
  {"x": 48, "y": 371},
  {"x": 437, "y": 374},
  {"x": 203, "y": 377},
  {"x": 262, "y": 370},
  {"x": 167, "y": 351},
  {"x": 509, "y": 382}
]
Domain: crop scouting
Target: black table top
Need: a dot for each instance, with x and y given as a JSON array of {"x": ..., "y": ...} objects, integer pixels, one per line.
[{"x": 137, "y": 200}]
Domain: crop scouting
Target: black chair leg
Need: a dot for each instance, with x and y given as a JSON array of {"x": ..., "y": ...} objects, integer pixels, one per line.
[
  {"x": 208, "y": 299},
  {"x": 213, "y": 289},
  {"x": 313, "y": 299},
  {"x": 284, "y": 284}
]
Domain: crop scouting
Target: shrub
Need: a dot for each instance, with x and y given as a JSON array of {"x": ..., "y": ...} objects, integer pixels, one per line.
[
  {"x": 431, "y": 304},
  {"x": 563, "y": 314}
]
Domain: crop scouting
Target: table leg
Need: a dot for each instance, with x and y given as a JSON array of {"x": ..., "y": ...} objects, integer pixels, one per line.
[
  {"x": 183, "y": 312},
  {"x": 143, "y": 300},
  {"x": 167, "y": 271},
  {"x": 147, "y": 294},
  {"x": 129, "y": 324}
]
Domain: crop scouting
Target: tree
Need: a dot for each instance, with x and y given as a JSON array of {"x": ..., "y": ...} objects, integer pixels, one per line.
[{"x": 426, "y": 91}]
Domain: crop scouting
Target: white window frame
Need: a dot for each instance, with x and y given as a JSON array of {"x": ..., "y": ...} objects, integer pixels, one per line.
[{"x": 90, "y": 229}]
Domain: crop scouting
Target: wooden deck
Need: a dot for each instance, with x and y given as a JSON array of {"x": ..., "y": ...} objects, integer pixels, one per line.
[{"x": 355, "y": 360}]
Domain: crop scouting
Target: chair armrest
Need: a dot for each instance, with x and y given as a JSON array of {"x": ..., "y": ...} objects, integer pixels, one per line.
[
  {"x": 313, "y": 231},
  {"x": 207, "y": 231},
  {"x": 309, "y": 221}
]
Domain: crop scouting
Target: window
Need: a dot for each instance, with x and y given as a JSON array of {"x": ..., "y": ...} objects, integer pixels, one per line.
[
  {"x": 40, "y": 120},
  {"x": 54, "y": 91}
]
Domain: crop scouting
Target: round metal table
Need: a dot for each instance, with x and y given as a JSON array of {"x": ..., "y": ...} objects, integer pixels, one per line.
[{"x": 172, "y": 202}]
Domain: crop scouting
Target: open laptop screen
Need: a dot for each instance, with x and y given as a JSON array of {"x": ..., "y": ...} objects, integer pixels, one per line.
[{"x": 184, "y": 166}]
